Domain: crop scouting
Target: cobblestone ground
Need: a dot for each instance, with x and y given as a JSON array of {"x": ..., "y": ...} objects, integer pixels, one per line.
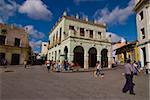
[{"x": 35, "y": 83}]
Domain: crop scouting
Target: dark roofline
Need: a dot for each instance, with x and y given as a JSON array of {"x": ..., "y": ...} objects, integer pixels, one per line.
[{"x": 140, "y": 3}]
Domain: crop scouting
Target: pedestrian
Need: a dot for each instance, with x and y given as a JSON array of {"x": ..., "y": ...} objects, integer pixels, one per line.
[
  {"x": 135, "y": 68},
  {"x": 139, "y": 64},
  {"x": 129, "y": 85},
  {"x": 5, "y": 63},
  {"x": 25, "y": 63},
  {"x": 146, "y": 68},
  {"x": 48, "y": 65},
  {"x": 66, "y": 65},
  {"x": 59, "y": 66},
  {"x": 98, "y": 69}
]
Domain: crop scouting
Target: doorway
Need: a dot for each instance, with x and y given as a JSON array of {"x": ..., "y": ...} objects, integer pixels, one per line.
[
  {"x": 79, "y": 56},
  {"x": 92, "y": 57},
  {"x": 15, "y": 59},
  {"x": 104, "y": 58}
]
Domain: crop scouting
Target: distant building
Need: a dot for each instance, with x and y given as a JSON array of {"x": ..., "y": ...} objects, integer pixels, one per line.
[
  {"x": 14, "y": 44},
  {"x": 142, "y": 9},
  {"x": 44, "y": 49},
  {"x": 115, "y": 46},
  {"x": 81, "y": 41},
  {"x": 128, "y": 51}
]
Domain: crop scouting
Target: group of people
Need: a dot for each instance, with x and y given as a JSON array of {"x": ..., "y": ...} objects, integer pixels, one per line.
[
  {"x": 57, "y": 65},
  {"x": 132, "y": 69}
]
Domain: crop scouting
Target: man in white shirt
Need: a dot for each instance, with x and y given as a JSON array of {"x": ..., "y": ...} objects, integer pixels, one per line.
[{"x": 129, "y": 85}]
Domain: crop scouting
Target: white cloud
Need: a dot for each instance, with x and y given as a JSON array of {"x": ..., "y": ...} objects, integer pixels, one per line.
[
  {"x": 36, "y": 9},
  {"x": 35, "y": 44},
  {"x": 35, "y": 37},
  {"x": 33, "y": 32},
  {"x": 7, "y": 10},
  {"x": 116, "y": 16},
  {"x": 115, "y": 37}
]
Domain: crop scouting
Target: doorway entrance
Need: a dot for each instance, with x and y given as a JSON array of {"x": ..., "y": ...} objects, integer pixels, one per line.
[
  {"x": 92, "y": 57},
  {"x": 79, "y": 56},
  {"x": 15, "y": 59},
  {"x": 104, "y": 58}
]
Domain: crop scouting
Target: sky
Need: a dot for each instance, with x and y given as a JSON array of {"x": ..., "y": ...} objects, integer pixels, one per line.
[{"x": 38, "y": 17}]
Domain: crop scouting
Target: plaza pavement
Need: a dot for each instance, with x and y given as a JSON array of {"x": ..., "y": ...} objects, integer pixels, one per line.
[{"x": 35, "y": 83}]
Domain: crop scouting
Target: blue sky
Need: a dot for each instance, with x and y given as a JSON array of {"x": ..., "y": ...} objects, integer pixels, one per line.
[{"x": 39, "y": 16}]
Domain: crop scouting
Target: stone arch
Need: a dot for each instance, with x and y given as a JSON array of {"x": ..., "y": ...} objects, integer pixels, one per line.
[
  {"x": 92, "y": 57},
  {"x": 104, "y": 58},
  {"x": 79, "y": 56}
]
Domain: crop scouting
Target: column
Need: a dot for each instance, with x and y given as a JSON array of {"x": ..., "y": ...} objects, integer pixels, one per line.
[
  {"x": 98, "y": 56},
  {"x": 148, "y": 56},
  {"x": 109, "y": 58},
  {"x": 86, "y": 57}
]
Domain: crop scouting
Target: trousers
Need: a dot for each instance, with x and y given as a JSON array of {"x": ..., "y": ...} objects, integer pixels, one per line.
[{"x": 129, "y": 85}]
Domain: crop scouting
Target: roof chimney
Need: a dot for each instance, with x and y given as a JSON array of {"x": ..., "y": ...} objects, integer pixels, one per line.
[
  {"x": 65, "y": 13},
  {"x": 77, "y": 16},
  {"x": 86, "y": 18},
  {"x": 95, "y": 21}
]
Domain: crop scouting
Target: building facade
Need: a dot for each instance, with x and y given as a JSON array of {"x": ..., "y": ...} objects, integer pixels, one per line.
[
  {"x": 142, "y": 9},
  {"x": 115, "y": 46},
  {"x": 128, "y": 51},
  {"x": 44, "y": 48},
  {"x": 80, "y": 41},
  {"x": 14, "y": 45}
]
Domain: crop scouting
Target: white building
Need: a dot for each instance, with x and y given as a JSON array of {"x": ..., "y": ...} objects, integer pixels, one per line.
[
  {"x": 44, "y": 48},
  {"x": 80, "y": 41},
  {"x": 142, "y": 9}
]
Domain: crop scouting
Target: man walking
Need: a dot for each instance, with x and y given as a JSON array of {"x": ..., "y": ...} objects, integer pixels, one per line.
[{"x": 129, "y": 85}]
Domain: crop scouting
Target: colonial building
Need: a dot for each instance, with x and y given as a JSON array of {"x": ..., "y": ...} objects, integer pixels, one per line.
[
  {"x": 14, "y": 45},
  {"x": 142, "y": 9},
  {"x": 81, "y": 41},
  {"x": 128, "y": 51},
  {"x": 115, "y": 46}
]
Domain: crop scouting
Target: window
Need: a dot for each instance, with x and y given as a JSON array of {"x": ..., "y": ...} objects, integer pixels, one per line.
[
  {"x": 143, "y": 33},
  {"x": 141, "y": 15},
  {"x": 3, "y": 31},
  {"x": 60, "y": 34},
  {"x": 99, "y": 33},
  {"x": 71, "y": 27},
  {"x": 2, "y": 40},
  {"x": 57, "y": 37},
  {"x": 91, "y": 33},
  {"x": 81, "y": 31},
  {"x": 17, "y": 42},
  {"x": 49, "y": 42}
]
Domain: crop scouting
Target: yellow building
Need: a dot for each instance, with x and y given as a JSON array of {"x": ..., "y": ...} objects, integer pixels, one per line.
[
  {"x": 14, "y": 45},
  {"x": 128, "y": 51}
]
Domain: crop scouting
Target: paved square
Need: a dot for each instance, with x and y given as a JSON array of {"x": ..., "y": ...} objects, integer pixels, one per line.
[{"x": 35, "y": 83}]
